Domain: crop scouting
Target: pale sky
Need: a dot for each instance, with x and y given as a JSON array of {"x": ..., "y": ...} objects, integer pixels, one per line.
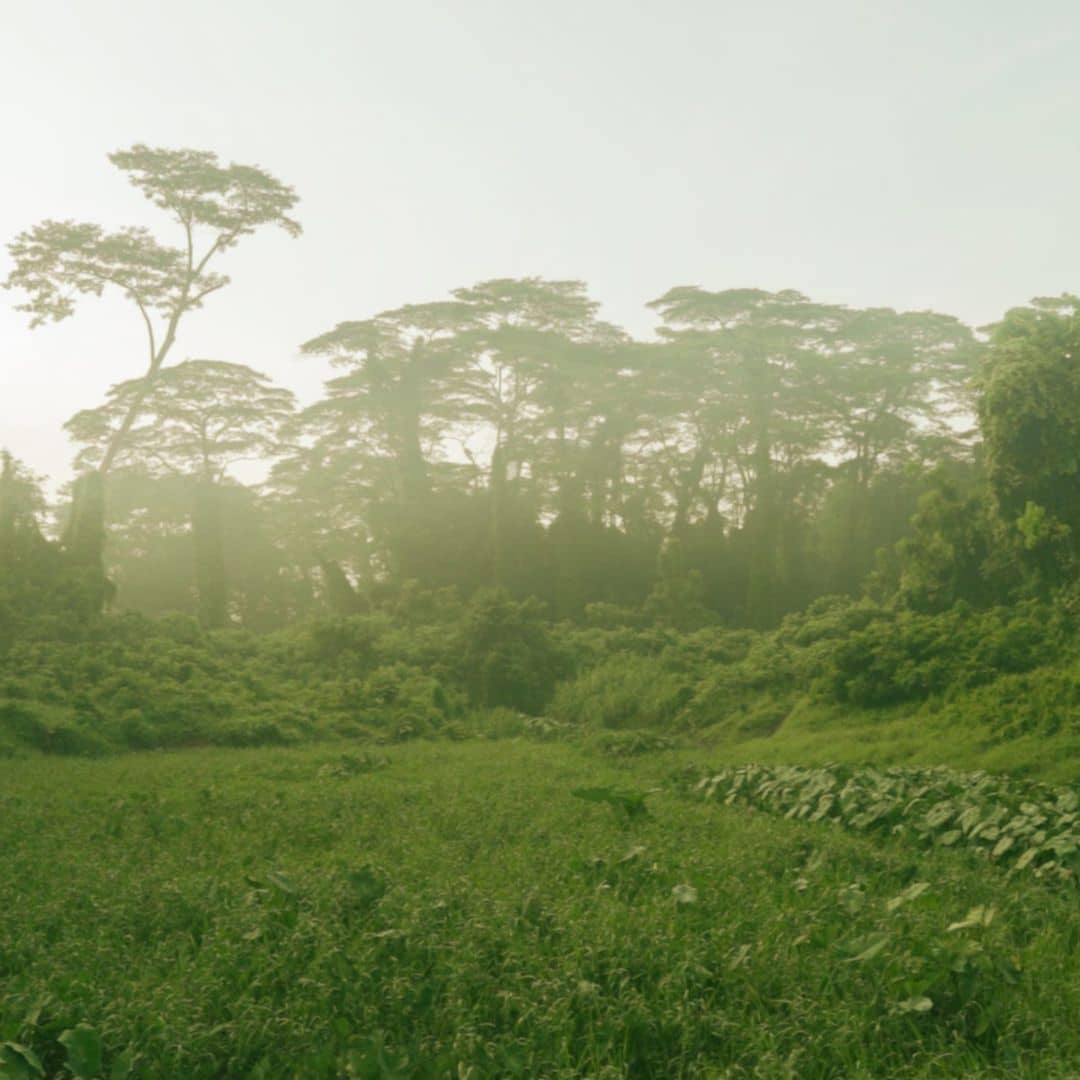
[{"x": 922, "y": 154}]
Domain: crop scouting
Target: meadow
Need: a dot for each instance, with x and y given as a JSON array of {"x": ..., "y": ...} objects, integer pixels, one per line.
[
  {"x": 504, "y": 907},
  {"x": 540, "y": 699}
]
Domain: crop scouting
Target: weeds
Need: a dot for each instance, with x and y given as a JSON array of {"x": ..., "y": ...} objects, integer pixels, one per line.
[{"x": 460, "y": 913}]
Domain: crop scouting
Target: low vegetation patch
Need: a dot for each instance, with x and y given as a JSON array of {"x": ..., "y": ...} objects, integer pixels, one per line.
[
  {"x": 507, "y": 908},
  {"x": 1023, "y": 827}
]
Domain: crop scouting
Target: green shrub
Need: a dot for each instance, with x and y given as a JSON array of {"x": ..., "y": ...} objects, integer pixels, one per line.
[
  {"x": 49, "y": 729},
  {"x": 624, "y": 692},
  {"x": 508, "y": 656},
  {"x": 905, "y": 656}
]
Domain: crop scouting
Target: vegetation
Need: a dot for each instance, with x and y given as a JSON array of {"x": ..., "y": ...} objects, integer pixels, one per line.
[
  {"x": 1022, "y": 827},
  {"x": 438, "y": 689},
  {"x": 250, "y": 914}
]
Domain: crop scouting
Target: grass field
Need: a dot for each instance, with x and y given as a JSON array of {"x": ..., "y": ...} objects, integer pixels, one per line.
[{"x": 454, "y": 910}]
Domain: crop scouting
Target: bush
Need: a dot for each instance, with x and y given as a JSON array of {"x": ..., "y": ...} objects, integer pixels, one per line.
[
  {"x": 50, "y": 730},
  {"x": 508, "y": 656},
  {"x": 624, "y": 691},
  {"x": 905, "y": 656}
]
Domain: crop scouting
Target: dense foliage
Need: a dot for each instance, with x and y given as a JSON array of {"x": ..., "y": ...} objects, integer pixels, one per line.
[
  {"x": 421, "y": 663},
  {"x": 252, "y": 914},
  {"x": 1022, "y": 827}
]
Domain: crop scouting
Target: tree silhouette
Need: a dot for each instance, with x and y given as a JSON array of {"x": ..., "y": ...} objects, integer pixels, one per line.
[{"x": 196, "y": 419}]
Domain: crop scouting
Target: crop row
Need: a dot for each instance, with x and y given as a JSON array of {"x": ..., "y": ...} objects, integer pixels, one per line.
[{"x": 1027, "y": 828}]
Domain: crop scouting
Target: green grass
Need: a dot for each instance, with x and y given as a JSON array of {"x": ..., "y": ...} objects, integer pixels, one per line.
[
  {"x": 927, "y": 734},
  {"x": 454, "y": 910}
]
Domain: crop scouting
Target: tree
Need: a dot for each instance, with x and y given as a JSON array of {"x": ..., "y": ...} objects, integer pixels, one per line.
[
  {"x": 507, "y": 656},
  {"x": 214, "y": 207},
  {"x": 196, "y": 419},
  {"x": 949, "y": 555},
  {"x": 750, "y": 367},
  {"x": 36, "y": 579},
  {"x": 1029, "y": 412},
  {"x": 381, "y": 427},
  {"x": 899, "y": 382},
  {"x": 538, "y": 351},
  {"x": 152, "y": 554},
  {"x": 502, "y": 376},
  {"x": 21, "y": 502}
]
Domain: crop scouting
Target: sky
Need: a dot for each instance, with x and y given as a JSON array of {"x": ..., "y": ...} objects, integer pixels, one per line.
[{"x": 917, "y": 155}]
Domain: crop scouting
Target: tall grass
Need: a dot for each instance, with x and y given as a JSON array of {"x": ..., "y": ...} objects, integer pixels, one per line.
[{"x": 453, "y": 911}]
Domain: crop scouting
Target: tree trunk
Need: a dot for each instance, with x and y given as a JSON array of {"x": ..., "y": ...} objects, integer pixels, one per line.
[
  {"x": 84, "y": 540},
  {"x": 498, "y": 518},
  {"x": 208, "y": 532},
  {"x": 338, "y": 590},
  {"x": 690, "y": 485},
  {"x": 567, "y": 536},
  {"x": 763, "y": 526}
]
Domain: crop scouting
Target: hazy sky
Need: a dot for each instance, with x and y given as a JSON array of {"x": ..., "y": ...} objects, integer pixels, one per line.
[{"x": 924, "y": 154}]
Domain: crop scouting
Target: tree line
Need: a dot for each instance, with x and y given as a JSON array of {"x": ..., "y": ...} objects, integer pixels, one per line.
[{"x": 763, "y": 449}]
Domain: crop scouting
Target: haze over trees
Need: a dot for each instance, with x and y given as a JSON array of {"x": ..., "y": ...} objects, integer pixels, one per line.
[
  {"x": 777, "y": 528},
  {"x": 505, "y": 436},
  {"x": 761, "y": 450},
  {"x": 55, "y": 262}
]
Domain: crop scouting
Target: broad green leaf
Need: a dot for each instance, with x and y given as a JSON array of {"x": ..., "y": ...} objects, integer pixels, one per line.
[
  {"x": 83, "y": 1045},
  {"x": 122, "y": 1066},
  {"x": 18, "y": 1062}
]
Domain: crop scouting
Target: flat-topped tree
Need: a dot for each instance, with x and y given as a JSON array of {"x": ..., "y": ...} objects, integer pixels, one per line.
[
  {"x": 899, "y": 382},
  {"x": 402, "y": 388},
  {"x": 378, "y": 433},
  {"x": 196, "y": 419},
  {"x": 214, "y": 206},
  {"x": 765, "y": 358},
  {"x": 532, "y": 336}
]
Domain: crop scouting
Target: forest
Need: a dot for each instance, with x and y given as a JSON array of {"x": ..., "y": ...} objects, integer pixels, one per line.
[
  {"x": 504, "y": 465},
  {"x": 784, "y": 576}
]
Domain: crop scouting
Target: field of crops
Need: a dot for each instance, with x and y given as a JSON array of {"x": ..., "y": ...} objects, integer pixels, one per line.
[{"x": 525, "y": 908}]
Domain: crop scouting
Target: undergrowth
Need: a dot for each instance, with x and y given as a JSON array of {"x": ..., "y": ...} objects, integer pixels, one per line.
[{"x": 250, "y": 913}]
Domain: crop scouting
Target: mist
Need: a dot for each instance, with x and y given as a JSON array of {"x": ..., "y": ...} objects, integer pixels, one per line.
[{"x": 539, "y": 542}]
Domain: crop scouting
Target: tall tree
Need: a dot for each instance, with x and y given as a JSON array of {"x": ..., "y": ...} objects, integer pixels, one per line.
[
  {"x": 762, "y": 355},
  {"x": 196, "y": 419},
  {"x": 1029, "y": 412},
  {"x": 213, "y": 206},
  {"x": 35, "y": 579},
  {"x": 534, "y": 340},
  {"x": 382, "y": 425},
  {"x": 901, "y": 383}
]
